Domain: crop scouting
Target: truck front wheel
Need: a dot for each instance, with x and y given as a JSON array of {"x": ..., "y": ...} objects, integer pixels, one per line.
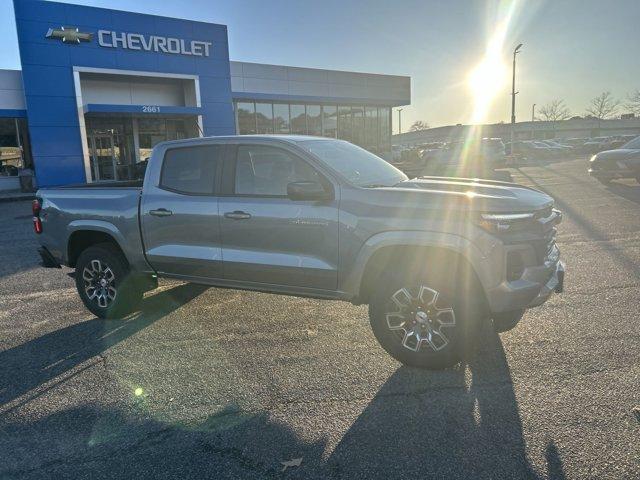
[
  {"x": 426, "y": 320},
  {"x": 105, "y": 283}
]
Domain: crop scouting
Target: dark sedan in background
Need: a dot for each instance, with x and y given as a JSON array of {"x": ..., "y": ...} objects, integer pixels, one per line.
[{"x": 623, "y": 162}]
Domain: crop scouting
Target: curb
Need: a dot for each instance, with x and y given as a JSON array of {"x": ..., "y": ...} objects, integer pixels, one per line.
[{"x": 17, "y": 198}]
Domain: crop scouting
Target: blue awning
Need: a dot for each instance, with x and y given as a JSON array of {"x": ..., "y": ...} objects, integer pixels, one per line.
[
  {"x": 12, "y": 113},
  {"x": 141, "y": 109}
]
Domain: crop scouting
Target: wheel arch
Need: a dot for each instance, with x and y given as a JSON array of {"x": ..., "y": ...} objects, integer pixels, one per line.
[
  {"x": 413, "y": 248},
  {"x": 82, "y": 236}
]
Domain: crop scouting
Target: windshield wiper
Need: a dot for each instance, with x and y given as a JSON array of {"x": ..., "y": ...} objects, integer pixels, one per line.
[{"x": 374, "y": 185}]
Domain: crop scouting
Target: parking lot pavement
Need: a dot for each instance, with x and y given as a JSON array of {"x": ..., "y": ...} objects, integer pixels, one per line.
[{"x": 209, "y": 383}]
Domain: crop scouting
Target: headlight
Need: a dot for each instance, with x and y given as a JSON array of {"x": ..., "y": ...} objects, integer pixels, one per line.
[
  {"x": 593, "y": 158},
  {"x": 501, "y": 222}
]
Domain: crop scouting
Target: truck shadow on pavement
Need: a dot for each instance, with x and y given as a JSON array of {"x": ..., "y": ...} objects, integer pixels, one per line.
[
  {"x": 31, "y": 367},
  {"x": 461, "y": 423},
  {"x": 454, "y": 424}
]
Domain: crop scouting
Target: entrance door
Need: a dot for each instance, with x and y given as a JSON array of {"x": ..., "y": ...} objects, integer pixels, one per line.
[{"x": 103, "y": 156}]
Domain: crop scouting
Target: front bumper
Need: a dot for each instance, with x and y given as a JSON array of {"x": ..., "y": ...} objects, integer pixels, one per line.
[{"x": 534, "y": 288}]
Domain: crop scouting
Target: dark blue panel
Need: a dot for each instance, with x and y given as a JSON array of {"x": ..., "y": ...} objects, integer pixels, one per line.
[
  {"x": 213, "y": 67},
  {"x": 217, "y": 114},
  {"x": 209, "y": 32},
  {"x": 45, "y": 54},
  {"x": 48, "y": 80},
  {"x": 31, "y": 9},
  {"x": 35, "y": 32},
  {"x": 178, "y": 28},
  {"x": 133, "y": 22},
  {"x": 53, "y": 111},
  {"x": 178, "y": 63},
  {"x": 11, "y": 113},
  {"x": 214, "y": 89},
  {"x": 59, "y": 170},
  {"x": 134, "y": 60},
  {"x": 78, "y": 15},
  {"x": 92, "y": 57},
  {"x": 51, "y": 141},
  {"x": 142, "y": 109}
]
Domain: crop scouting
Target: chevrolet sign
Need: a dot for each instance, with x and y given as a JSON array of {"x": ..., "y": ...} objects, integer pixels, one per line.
[
  {"x": 133, "y": 41},
  {"x": 69, "y": 35},
  {"x": 155, "y": 43}
]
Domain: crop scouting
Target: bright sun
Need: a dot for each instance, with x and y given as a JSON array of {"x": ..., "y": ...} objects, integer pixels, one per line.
[{"x": 485, "y": 81}]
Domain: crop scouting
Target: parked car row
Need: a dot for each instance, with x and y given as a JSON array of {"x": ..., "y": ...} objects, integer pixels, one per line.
[{"x": 471, "y": 158}]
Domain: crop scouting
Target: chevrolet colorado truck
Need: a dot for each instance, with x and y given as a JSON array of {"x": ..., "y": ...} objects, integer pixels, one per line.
[{"x": 433, "y": 257}]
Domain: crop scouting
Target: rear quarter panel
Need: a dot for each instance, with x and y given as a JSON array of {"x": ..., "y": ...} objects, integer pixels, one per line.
[{"x": 112, "y": 210}]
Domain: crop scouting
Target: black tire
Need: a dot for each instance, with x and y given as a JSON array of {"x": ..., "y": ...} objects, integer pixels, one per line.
[
  {"x": 105, "y": 283},
  {"x": 454, "y": 316},
  {"x": 503, "y": 322}
]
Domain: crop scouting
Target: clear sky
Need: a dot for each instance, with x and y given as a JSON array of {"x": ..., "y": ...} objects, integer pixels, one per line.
[{"x": 573, "y": 49}]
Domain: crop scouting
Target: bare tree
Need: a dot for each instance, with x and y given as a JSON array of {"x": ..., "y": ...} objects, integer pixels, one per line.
[
  {"x": 603, "y": 106},
  {"x": 419, "y": 126},
  {"x": 554, "y": 111},
  {"x": 633, "y": 102}
]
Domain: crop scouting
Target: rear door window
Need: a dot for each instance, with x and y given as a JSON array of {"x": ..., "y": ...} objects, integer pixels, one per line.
[{"x": 191, "y": 170}]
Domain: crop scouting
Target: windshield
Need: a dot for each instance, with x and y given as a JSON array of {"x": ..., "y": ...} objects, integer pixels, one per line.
[
  {"x": 358, "y": 166},
  {"x": 633, "y": 144}
]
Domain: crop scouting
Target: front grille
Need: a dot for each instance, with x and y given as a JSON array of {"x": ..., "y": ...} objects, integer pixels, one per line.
[{"x": 539, "y": 233}]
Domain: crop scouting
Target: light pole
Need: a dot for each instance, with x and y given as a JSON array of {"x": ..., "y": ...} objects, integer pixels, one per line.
[
  {"x": 399, "y": 121},
  {"x": 513, "y": 92},
  {"x": 533, "y": 119}
]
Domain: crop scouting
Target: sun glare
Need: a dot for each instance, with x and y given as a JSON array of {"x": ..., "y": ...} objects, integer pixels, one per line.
[{"x": 489, "y": 76}]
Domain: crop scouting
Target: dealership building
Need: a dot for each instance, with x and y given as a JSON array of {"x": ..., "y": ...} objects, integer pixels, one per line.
[{"x": 99, "y": 88}]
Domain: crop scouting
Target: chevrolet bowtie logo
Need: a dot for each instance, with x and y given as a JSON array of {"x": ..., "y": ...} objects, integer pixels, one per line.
[{"x": 69, "y": 35}]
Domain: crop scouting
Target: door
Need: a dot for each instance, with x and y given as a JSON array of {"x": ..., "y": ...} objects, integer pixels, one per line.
[
  {"x": 103, "y": 156},
  {"x": 268, "y": 238},
  {"x": 181, "y": 228}
]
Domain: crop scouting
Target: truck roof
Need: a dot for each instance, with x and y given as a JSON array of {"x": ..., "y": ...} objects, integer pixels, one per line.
[{"x": 272, "y": 137}]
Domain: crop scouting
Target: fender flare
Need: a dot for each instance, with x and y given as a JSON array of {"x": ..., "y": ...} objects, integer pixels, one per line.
[
  {"x": 96, "y": 226},
  {"x": 409, "y": 238}
]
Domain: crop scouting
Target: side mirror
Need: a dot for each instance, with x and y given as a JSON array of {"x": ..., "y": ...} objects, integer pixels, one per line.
[{"x": 307, "y": 191}]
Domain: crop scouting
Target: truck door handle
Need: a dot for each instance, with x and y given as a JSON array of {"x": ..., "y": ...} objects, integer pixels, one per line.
[
  {"x": 237, "y": 215},
  {"x": 161, "y": 212}
]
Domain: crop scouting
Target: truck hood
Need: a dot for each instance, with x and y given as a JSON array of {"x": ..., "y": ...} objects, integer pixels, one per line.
[{"x": 475, "y": 194}]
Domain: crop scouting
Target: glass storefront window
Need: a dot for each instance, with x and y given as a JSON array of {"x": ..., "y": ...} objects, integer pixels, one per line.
[
  {"x": 384, "y": 125},
  {"x": 281, "y": 117},
  {"x": 13, "y": 146},
  {"x": 246, "y": 112},
  {"x": 345, "y": 124},
  {"x": 330, "y": 121},
  {"x": 371, "y": 129},
  {"x": 264, "y": 118},
  {"x": 357, "y": 114},
  {"x": 298, "y": 120},
  {"x": 314, "y": 120}
]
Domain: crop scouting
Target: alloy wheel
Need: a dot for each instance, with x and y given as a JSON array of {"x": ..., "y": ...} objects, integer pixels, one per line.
[
  {"x": 418, "y": 321},
  {"x": 99, "y": 283}
]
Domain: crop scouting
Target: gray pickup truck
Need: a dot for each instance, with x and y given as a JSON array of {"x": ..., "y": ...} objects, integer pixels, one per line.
[{"x": 432, "y": 257}]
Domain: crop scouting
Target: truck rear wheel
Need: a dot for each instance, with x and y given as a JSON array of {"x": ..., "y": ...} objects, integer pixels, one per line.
[
  {"x": 105, "y": 283},
  {"x": 425, "y": 320}
]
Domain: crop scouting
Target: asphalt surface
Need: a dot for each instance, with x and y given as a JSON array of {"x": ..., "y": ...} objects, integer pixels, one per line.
[{"x": 209, "y": 383}]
